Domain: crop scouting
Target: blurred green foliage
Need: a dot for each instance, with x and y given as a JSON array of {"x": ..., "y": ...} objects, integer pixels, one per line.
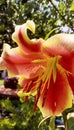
[
  {"x": 46, "y": 14},
  {"x": 71, "y": 123},
  {"x": 19, "y": 115},
  {"x": 1, "y": 82}
]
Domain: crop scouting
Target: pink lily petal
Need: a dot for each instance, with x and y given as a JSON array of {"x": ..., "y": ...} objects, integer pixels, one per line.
[
  {"x": 63, "y": 45},
  {"x": 18, "y": 63},
  {"x": 2, "y": 65},
  {"x": 59, "y": 44},
  {"x": 21, "y": 38},
  {"x": 58, "y": 96},
  {"x": 71, "y": 82},
  {"x": 28, "y": 85}
]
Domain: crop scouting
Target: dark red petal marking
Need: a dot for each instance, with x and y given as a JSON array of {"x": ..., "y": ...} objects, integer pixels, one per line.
[{"x": 45, "y": 94}]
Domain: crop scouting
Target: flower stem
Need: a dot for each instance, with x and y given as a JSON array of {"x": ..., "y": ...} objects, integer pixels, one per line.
[
  {"x": 52, "y": 123},
  {"x": 65, "y": 120}
]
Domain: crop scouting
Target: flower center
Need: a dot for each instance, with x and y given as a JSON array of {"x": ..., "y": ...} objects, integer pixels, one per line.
[
  {"x": 43, "y": 81},
  {"x": 49, "y": 69}
]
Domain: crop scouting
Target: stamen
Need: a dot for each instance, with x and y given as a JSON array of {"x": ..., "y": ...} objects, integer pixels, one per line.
[
  {"x": 26, "y": 99},
  {"x": 26, "y": 86},
  {"x": 37, "y": 96}
]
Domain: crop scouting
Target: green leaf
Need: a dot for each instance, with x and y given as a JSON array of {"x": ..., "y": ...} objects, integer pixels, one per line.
[
  {"x": 62, "y": 7},
  {"x": 72, "y": 6},
  {"x": 52, "y": 123},
  {"x": 48, "y": 34},
  {"x": 43, "y": 121},
  {"x": 71, "y": 123}
]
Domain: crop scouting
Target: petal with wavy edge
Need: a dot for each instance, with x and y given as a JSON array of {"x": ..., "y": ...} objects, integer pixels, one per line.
[
  {"x": 16, "y": 55},
  {"x": 21, "y": 38},
  {"x": 63, "y": 45},
  {"x": 59, "y": 44},
  {"x": 22, "y": 64},
  {"x": 2, "y": 64}
]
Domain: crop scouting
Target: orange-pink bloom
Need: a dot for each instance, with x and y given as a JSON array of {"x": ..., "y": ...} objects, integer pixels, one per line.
[{"x": 45, "y": 68}]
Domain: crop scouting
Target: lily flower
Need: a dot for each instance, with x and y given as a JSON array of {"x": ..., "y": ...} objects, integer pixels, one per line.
[
  {"x": 45, "y": 68},
  {"x": 18, "y": 60}
]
